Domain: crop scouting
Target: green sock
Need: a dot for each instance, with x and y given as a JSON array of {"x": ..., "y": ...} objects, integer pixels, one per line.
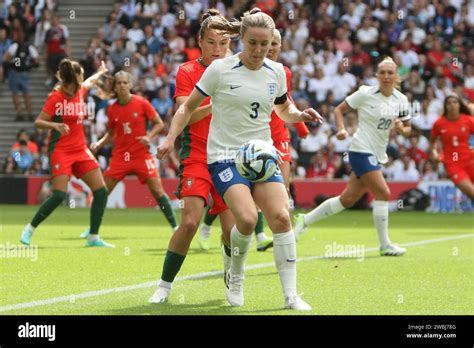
[
  {"x": 165, "y": 206},
  {"x": 172, "y": 265},
  {"x": 47, "y": 207},
  {"x": 208, "y": 218},
  {"x": 97, "y": 209},
  {"x": 259, "y": 226}
]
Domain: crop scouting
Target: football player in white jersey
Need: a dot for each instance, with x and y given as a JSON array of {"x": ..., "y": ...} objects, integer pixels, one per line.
[
  {"x": 244, "y": 89},
  {"x": 379, "y": 107}
]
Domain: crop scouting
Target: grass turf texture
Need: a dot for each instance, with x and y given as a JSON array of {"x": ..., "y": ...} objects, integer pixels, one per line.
[{"x": 429, "y": 279}]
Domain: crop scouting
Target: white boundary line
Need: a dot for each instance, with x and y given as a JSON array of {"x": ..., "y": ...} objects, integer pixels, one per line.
[{"x": 72, "y": 298}]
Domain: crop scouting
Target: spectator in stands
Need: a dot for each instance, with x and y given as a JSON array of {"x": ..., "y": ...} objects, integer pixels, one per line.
[
  {"x": 367, "y": 35},
  {"x": 58, "y": 47},
  {"x": 22, "y": 57},
  {"x": 10, "y": 167},
  {"x": 319, "y": 86},
  {"x": 175, "y": 43},
  {"x": 22, "y": 156},
  {"x": 152, "y": 42},
  {"x": 415, "y": 153},
  {"x": 22, "y": 135},
  {"x": 192, "y": 51},
  {"x": 119, "y": 55},
  {"x": 320, "y": 167},
  {"x": 342, "y": 41},
  {"x": 424, "y": 120},
  {"x": 368, "y": 77},
  {"x": 406, "y": 171},
  {"x": 163, "y": 104},
  {"x": 112, "y": 30},
  {"x": 5, "y": 43},
  {"x": 417, "y": 33},
  {"x": 128, "y": 7},
  {"x": 415, "y": 84},
  {"x": 168, "y": 20},
  {"x": 408, "y": 57},
  {"x": 41, "y": 29},
  {"x": 359, "y": 60},
  {"x": 315, "y": 141},
  {"x": 145, "y": 10},
  {"x": 429, "y": 172},
  {"x": 135, "y": 33},
  {"x": 343, "y": 83}
]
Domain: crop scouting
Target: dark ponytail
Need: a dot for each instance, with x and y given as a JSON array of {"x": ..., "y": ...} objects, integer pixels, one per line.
[{"x": 69, "y": 72}]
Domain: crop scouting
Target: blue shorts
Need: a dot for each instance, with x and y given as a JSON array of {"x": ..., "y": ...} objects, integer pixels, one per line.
[
  {"x": 362, "y": 163},
  {"x": 225, "y": 174},
  {"x": 18, "y": 81}
]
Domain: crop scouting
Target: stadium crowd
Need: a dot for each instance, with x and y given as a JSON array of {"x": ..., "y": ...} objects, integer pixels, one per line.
[{"x": 331, "y": 47}]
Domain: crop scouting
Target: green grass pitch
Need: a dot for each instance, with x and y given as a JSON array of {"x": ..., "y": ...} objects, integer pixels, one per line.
[{"x": 65, "y": 277}]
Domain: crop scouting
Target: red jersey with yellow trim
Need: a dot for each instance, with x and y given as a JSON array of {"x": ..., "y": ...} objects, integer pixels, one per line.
[
  {"x": 455, "y": 138},
  {"x": 277, "y": 126},
  {"x": 71, "y": 111},
  {"x": 194, "y": 139},
  {"x": 128, "y": 122}
]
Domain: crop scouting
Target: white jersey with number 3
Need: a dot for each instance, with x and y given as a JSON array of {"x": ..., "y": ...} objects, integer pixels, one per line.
[
  {"x": 376, "y": 118},
  {"x": 242, "y": 103}
]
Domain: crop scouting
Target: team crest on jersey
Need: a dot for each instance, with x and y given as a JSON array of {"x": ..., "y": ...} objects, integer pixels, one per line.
[
  {"x": 56, "y": 166},
  {"x": 463, "y": 129},
  {"x": 272, "y": 89},
  {"x": 226, "y": 175},
  {"x": 189, "y": 182},
  {"x": 135, "y": 114}
]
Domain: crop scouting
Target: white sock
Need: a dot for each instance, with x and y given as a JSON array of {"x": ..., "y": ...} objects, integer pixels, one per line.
[
  {"x": 329, "y": 207},
  {"x": 164, "y": 284},
  {"x": 284, "y": 251},
  {"x": 226, "y": 259},
  {"x": 92, "y": 237},
  {"x": 261, "y": 236},
  {"x": 205, "y": 231},
  {"x": 30, "y": 228},
  {"x": 240, "y": 244},
  {"x": 380, "y": 215}
]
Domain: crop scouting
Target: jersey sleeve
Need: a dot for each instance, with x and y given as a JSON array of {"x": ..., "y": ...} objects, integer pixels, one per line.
[
  {"x": 184, "y": 84},
  {"x": 435, "y": 131},
  {"x": 209, "y": 81},
  {"x": 404, "y": 112},
  {"x": 49, "y": 106},
  {"x": 356, "y": 99},
  {"x": 282, "y": 82}
]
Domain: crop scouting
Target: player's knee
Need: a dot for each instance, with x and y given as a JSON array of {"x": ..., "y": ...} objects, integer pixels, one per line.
[
  {"x": 189, "y": 226},
  {"x": 157, "y": 192},
  {"x": 247, "y": 221},
  {"x": 281, "y": 221},
  {"x": 348, "y": 200},
  {"x": 383, "y": 195}
]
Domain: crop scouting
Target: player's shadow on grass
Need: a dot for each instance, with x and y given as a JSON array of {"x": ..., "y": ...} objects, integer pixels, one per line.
[
  {"x": 83, "y": 239},
  {"x": 211, "y": 307},
  {"x": 162, "y": 251}
]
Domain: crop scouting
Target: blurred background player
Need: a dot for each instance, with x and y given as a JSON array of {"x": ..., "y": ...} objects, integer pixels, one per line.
[
  {"x": 127, "y": 127},
  {"x": 379, "y": 107},
  {"x": 454, "y": 128},
  {"x": 68, "y": 150},
  {"x": 195, "y": 184},
  {"x": 244, "y": 89}
]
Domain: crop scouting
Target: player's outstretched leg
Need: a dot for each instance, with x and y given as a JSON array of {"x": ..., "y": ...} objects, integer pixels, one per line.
[
  {"x": 205, "y": 230},
  {"x": 375, "y": 182},
  {"x": 43, "y": 212},
  {"x": 178, "y": 247},
  {"x": 263, "y": 241}
]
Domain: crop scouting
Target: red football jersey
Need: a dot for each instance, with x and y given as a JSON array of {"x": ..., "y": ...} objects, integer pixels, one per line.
[
  {"x": 71, "y": 111},
  {"x": 277, "y": 126},
  {"x": 455, "y": 138},
  {"x": 128, "y": 122},
  {"x": 194, "y": 140}
]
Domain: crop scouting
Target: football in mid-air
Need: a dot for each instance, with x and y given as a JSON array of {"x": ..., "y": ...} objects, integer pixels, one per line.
[{"x": 256, "y": 160}]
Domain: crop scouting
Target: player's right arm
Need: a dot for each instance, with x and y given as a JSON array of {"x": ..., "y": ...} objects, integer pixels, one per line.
[
  {"x": 339, "y": 115},
  {"x": 108, "y": 138},
  {"x": 180, "y": 120},
  {"x": 198, "y": 114},
  {"x": 43, "y": 122},
  {"x": 434, "y": 136}
]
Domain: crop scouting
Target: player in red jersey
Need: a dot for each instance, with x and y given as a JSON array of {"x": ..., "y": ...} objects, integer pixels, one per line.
[
  {"x": 280, "y": 134},
  {"x": 454, "y": 128},
  {"x": 63, "y": 114},
  {"x": 127, "y": 128},
  {"x": 195, "y": 181}
]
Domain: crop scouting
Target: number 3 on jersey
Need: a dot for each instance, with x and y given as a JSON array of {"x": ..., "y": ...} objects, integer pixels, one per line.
[{"x": 255, "y": 107}]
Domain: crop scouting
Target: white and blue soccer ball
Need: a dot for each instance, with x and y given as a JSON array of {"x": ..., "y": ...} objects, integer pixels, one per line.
[{"x": 256, "y": 160}]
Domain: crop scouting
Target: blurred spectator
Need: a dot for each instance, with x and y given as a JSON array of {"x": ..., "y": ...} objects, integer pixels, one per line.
[
  {"x": 408, "y": 57},
  {"x": 343, "y": 83},
  {"x": 428, "y": 172},
  {"x": 58, "y": 47},
  {"x": 22, "y": 57},
  {"x": 5, "y": 43},
  {"x": 163, "y": 104},
  {"x": 145, "y": 11},
  {"x": 152, "y": 42},
  {"x": 192, "y": 51},
  {"x": 22, "y": 135},
  {"x": 135, "y": 33},
  {"x": 112, "y": 30},
  {"x": 406, "y": 171},
  {"x": 320, "y": 167},
  {"x": 315, "y": 141},
  {"x": 417, "y": 34},
  {"x": 318, "y": 86},
  {"x": 128, "y": 7},
  {"x": 415, "y": 153},
  {"x": 424, "y": 120},
  {"x": 22, "y": 156},
  {"x": 367, "y": 35},
  {"x": 42, "y": 28},
  {"x": 10, "y": 167},
  {"x": 119, "y": 55}
]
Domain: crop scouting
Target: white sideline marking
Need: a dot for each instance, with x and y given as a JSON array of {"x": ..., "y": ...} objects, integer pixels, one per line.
[{"x": 193, "y": 277}]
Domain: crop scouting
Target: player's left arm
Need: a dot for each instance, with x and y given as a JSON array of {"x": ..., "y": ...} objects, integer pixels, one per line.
[
  {"x": 91, "y": 81},
  {"x": 288, "y": 112},
  {"x": 157, "y": 127}
]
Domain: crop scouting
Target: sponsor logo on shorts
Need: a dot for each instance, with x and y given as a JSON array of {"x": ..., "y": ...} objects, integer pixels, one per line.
[
  {"x": 226, "y": 175},
  {"x": 373, "y": 161}
]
